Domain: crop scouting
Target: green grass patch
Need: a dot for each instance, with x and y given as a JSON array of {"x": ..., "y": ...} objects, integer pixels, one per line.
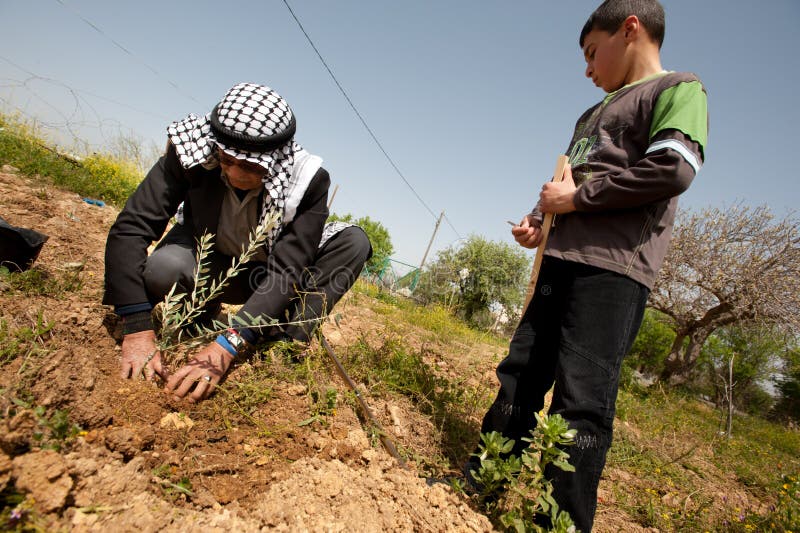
[
  {"x": 438, "y": 321},
  {"x": 97, "y": 176},
  {"x": 24, "y": 341},
  {"x": 39, "y": 282},
  {"x": 668, "y": 441},
  {"x": 395, "y": 368}
]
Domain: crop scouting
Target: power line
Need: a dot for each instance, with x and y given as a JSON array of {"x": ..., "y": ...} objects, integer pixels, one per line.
[
  {"x": 121, "y": 47},
  {"x": 364, "y": 122}
]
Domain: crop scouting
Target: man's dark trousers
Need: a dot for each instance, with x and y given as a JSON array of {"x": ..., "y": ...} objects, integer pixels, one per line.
[{"x": 581, "y": 323}]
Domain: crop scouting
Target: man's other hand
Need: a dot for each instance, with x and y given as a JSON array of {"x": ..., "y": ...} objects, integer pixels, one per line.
[{"x": 139, "y": 354}]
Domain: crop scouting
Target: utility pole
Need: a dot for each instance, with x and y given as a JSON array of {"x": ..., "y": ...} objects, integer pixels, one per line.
[{"x": 428, "y": 249}]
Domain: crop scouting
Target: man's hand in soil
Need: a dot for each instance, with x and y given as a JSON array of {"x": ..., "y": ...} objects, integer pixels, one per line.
[
  {"x": 528, "y": 233},
  {"x": 139, "y": 354},
  {"x": 202, "y": 373},
  {"x": 556, "y": 196}
]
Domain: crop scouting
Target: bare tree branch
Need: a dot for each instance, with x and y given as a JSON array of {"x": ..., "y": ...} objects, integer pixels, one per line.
[{"x": 727, "y": 266}]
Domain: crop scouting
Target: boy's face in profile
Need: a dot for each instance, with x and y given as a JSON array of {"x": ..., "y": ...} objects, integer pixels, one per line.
[{"x": 604, "y": 54}]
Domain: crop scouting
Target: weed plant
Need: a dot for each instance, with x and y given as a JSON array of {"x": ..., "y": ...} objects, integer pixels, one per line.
[
  {"x": 17, "y": 513},
  {"x": 54, "y": 431},
  {"x": 172, "y": 486},
  {"x": 513, "y": 490},
  {"x": 38, "y": 282},
  {"x": 25, "y": 341}
]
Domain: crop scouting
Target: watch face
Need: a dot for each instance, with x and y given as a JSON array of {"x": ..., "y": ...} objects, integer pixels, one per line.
[{"x": 235, "y": 340}]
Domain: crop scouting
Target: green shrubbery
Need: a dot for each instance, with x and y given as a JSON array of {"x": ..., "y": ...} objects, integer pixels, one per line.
[
  {"x": 514, "y": 489},
  {"x": 378, "y": 235},
  {"x": 99, "y": 176}
]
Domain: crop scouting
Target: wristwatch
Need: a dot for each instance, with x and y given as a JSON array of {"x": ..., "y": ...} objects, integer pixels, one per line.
[{"x": 236, "y": 340}]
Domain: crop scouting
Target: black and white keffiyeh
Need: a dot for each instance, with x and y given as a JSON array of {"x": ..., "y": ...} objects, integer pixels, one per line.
[
  {"x": 252, "y": 123},
  {"x": 331, "y": 229}
]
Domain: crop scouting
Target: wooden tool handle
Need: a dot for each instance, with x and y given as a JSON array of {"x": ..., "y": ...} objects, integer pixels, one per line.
[{"x": 558, "y": 175}]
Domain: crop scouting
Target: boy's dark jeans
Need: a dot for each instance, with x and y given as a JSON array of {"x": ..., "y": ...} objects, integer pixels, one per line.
[{"x": 581, "y": 323}]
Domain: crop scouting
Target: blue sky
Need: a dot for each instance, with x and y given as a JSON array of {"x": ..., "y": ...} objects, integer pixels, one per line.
[{"x": 472, "y": 100}]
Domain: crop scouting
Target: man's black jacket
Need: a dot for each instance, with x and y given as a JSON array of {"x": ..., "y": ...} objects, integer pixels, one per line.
[{"x": 149, "y": 209}]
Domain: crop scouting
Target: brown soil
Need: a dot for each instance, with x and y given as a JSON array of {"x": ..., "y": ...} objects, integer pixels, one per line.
[{"x": 138, "y": 443}]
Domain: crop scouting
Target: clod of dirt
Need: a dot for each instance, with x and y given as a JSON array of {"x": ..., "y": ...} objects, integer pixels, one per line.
[
  {"x": 18, "y": 432},
  {"x": 127, "y": 442},
  {"x": 44, "y": 476},
  {"x": 5, "y": 471}
]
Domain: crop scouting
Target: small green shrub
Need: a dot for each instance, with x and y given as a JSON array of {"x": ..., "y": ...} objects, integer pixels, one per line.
[
  {"x": 514, "y": 489},
  {"x": 54, "y": 430}
]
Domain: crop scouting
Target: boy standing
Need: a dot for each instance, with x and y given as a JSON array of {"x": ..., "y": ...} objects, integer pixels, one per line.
[{"x": 631, "y": 155}]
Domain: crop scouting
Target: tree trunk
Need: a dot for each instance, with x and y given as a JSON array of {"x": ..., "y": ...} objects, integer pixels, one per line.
[{"x": 681, "y": 360}]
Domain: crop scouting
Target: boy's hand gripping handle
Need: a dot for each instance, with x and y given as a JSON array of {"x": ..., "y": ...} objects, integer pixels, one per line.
[{"x": 558, "y": 175}]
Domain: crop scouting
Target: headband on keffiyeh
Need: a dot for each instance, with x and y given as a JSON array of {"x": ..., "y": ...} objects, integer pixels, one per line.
[{"x": 252, "y": 123}]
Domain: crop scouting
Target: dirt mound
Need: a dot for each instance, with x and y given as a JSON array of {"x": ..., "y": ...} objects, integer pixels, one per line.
[{"x": 142, "y": 461}]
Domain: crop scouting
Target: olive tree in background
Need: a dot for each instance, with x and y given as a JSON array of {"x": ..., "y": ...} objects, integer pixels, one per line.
[{"x": 482, "y": 281}]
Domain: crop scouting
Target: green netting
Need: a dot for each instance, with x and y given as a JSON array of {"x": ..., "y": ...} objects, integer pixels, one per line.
[{"x": 393, "y": 275}]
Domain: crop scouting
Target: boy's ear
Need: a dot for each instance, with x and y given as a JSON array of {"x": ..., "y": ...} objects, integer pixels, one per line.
[{"x": 631, "y": 28}]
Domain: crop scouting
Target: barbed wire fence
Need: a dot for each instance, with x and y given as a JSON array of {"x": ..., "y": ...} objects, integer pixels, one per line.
[{"x": 73, "y": 127}]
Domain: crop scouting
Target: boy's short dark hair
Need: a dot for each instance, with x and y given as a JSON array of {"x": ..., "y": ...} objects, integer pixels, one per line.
[{"x": 612, "y": 13}]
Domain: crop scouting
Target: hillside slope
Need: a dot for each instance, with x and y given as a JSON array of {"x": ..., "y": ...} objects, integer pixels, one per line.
[{"x": 281, "y": 445}]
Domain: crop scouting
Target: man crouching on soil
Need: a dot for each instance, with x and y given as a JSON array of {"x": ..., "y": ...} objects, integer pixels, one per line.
[{"x": 229, "y": 169}]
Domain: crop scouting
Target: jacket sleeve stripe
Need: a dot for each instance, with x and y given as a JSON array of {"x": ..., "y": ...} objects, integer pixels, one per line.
[{"x": 678, "y": 147}]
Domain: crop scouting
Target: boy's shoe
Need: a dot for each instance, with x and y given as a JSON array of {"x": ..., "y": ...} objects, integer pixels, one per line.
[{"x": 471, "y": 485}]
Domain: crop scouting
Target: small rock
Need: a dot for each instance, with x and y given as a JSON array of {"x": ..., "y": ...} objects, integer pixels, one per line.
[
  {"x": 176, "y": 421},
  {"x": 124, "y": 441},
  {"x": 5, "y": 471},
  {"x": 296, "y": 390},
  {"x": 397, "y": 420},
  {"x": 8, "y": 169},
  {"x": 369, "y": 455},
  {"x": 91, "y": 436},
  {"x": 84, "y": 521}
]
